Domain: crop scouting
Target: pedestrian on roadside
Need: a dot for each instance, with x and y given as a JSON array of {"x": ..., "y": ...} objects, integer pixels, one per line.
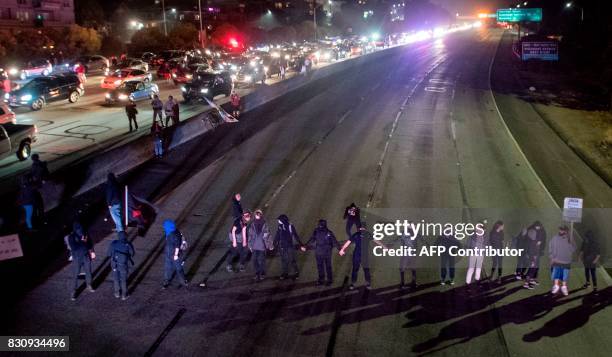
[
  {"x": 174, "y": 259},
  {"x": 157, "y": 134},
  {"x": 286, "y": 237},
  {"x": 237, "y": 206},
  {"x": 131, "y": 111},
  {"x": 408, "y": 262},
  {"x": 113, "y": 200},
  {"x": 169, "y": 110},
  {"x": 560, "y": 252},
  {"x": 121, "y": 252},
  {"x": 447, "y": 261},
  {"x": 475, "y": 241},
  {"x": 259, "y": 241},
  {"x": 157, "y": 105},
  {"x": 238, "y": 240},
  {"x": 83, "y": 253},
  {"x": 235, "y": 103},
  {"x": 6, "y": 83},
  {"x": 537, "y": 231},
  {"x": 352, "y": 217},
  {"x": 361, "y": 254},
  {"x": 590, "y": 254},
  {"x": 520, "y": 242},
  {"x": 175, "y": 113},
  {"x": 27, "y": 199},
  {"x": 39, "y": 171},
  {"x": 323, "y": 240},
  {"x": 496, "y": 241}
]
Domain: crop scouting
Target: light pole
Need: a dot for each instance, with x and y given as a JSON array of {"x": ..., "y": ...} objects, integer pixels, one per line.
[
  {"x": 164, "y": 16},
  {"x": 201, "y": 28},
  {"x": 571, "y": 4}
]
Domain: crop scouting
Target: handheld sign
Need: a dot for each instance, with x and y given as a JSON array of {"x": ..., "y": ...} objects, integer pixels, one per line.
[
  {"x": 572, "y": 209},
  {"x": 10, "y": 247}
]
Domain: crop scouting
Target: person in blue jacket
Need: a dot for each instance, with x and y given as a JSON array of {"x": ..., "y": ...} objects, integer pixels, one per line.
[{"x": 174, "y": 258}]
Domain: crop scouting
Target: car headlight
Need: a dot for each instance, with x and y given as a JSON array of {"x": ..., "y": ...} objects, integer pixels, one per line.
[
  {"x": 233, "y": 76},
  {"x": 26, "y": 97},
  {"x": 266, "y": 68},
  {"x": 108, "y": 96},
  {"x": 183, "y": 89},
  {"x": 287, "y": 57},
  {"x": 248, "y": 78},
  {"x": 117, "y": 82},
  {"x": 204, "y": 90},
  {"x": 6, "y": 96},
  {"x": 173, "y": 75},
  {"x": 188, "y": 76},
  {"x": 233, "y": 67},
  {"x": 13, "y": 71},
  {"x": 327, "y": 55},
  {"x": 122, "y": 97}
]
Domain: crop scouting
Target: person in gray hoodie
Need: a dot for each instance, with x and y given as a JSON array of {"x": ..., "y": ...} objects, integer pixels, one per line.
[
  {"x": 560, "y": 252},
  {"x": 259, "y": 241}
]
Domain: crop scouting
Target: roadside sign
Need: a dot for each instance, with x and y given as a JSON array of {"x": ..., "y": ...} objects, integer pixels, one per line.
[
  {"x": 572, "y": 209},
  {"x": 519, "y": 14},
  {"x": 10, "y": 247},
  {"x": 542, "y": 50}
]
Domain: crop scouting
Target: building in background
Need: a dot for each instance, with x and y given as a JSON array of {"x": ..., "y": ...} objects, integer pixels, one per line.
[{"x": 36, "y": 13}]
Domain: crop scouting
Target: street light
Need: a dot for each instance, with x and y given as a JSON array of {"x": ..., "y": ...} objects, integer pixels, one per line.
[
  {"x": 201, "y": 30},
  {"x": 164, "y": 15},
  {"x": 570, "y": 4}
]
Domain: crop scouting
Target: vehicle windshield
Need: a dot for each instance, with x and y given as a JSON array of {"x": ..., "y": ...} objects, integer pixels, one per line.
[
  {"x": 128, "y": 86},
  {"x": 33, "y": 84},
  {"x": 205, "y": 77},
  {"x": 121, "y": 73}
]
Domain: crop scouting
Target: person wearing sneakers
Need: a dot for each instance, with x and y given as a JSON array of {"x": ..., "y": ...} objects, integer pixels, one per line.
[
  {"x": 560, "y": 251},
  {"x": 238, "y": 241},
  {"x": 259, "y": 241},
  {"x": 82, "y": 255},
  {"x": 590, "y": 254},
  {"x": 447, "y": 261},
  {"x": 362, "y": 239}
]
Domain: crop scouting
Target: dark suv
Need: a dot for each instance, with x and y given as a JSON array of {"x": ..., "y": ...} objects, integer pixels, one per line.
[
  {"x": 207, "y": 84},
  {"x": 41, "y": 90}
]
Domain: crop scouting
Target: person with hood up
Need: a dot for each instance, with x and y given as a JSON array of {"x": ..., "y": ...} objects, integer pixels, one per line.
[
  {"x": 285, "y": 238},
  {"x": 533, "y": 248},
  {"x": 352, "y": 217},
  {"x": 536, "y": 232},
  {"x": 259, "y": 241},
  {"x": 237, "y": 206},
  {"x": 238, "y": 240},
  {"x": 447, "y": 261},
  {"x": 361, "y": 254},
  {"x": 476, "y": 241},
  {"x": 521, "y": 242},
  {"x": 83, "y": 253},
  {"x": 590, "y": 254},
  {"x": 496, "y": 241},
  {"x": 113, "y": 200},
  {"x": 560, "y": 252},
  {"x": 323, "y": 240},
  {"x": 174, "y": 258},
  {"x": 121, "y": 252}
]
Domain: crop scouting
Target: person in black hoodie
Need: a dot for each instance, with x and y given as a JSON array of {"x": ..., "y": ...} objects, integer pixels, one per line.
[
  {"x": 496, "y": 241},
  {"x": 323, "y": 240},
  {"x": 522, "y": 262},
  {"x": 590, "y": 254},
  {"x": 447, "y": 261},
  {"x": 83, "y": 253},
  {"x": 113, "y": 200},
  {"x": 285, "y": 238},
  {"x": 537, "y": 236},
  {"x": 352, "y": 217},
  {"x": 121, "y": 252},
  {"x": 237, "y": 206},
  {"x": 27, "y": 199}
]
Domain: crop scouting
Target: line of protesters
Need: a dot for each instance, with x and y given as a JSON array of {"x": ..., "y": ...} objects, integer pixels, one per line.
[{"x": 250, "y": 232}]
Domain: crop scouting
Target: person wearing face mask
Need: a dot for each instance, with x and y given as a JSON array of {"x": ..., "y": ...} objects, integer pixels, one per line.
[
  {"x": 83, "y": 253},
  {"x": 560, "y": 252},
  {"x": 323, "y": 240},
  {"x": 259, "y": 241},
  {"x": 286, "y": 237},
  {"x": 353, "y": 218}
]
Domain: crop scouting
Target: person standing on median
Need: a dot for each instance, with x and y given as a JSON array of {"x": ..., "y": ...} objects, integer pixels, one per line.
[
  {"x": 285, "y": 239},
  {"x": 259, "y": 241},
  {"x": 560, "y": 251},
  {"x": 131, "y": 111},
  {"x": 169, "y": 110},
  {"x": 83, "y": 253},
  {"x": 157, "y": 106},
  {"x": 590, "y": 254},
  {"x": 157, "y": 134},
  {"x": 27, "y": 199},
  {"x": 174, "y": 255},
  {"x": 323, "y": 240},
  {"x": 121, "y": 252},
  {"x": 113, "y": 200}
]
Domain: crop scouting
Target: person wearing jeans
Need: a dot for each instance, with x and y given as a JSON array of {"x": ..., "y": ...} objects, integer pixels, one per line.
[
  {"x": 447, "y": 261},
  {"x": 27, "y": 199},
  {"x": 259, "y": 241},
  {"x": 238, "y": 239},
  {"x": 560, "y": 251}
]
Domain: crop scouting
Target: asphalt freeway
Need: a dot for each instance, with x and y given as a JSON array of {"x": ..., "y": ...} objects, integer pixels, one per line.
[{"x": 418, "y": 131}]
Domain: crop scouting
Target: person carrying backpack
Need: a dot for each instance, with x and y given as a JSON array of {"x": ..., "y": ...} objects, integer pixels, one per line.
[
  {"x": 121, "y": 252},
  {"x": 175, "y": 254}
]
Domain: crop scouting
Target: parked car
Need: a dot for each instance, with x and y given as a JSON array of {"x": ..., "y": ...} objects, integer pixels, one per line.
[
  {"x": 17, "y": 139},
  {"x": 129, "y": 63},
  {"x": 185, "y": 74},
  {"x": 207, "y": 84},
  {"x": 95, "y": 63},
  {"x": 116, "y": 78},
  {"x": 6, "y": 114},
  {"x": 132, "y": 90},
  {"x": 251, "y": 74},
  {"x": 42, "y": 90},
  {"x": 32, "y": 68}
]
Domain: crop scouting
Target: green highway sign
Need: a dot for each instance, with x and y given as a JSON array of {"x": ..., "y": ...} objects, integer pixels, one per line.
[{"x": 519, "y": 14}]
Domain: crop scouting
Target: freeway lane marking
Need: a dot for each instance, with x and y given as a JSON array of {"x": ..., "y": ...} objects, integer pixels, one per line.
[
  {"x": 435, "y": 89},
  {"x": 312, "y": 150}
]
